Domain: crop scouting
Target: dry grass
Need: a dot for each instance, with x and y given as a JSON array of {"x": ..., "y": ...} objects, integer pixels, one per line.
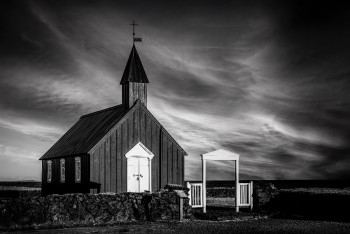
[
  {"x": 16, "y": 188},
  {"x": 330, "y": 191},
  {"x": 221, "y": 202}
]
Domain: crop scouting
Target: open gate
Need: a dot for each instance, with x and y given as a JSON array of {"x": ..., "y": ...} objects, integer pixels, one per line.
[
  {"x": 196, "y": 194},
  {"x": 246, "y": 195}
]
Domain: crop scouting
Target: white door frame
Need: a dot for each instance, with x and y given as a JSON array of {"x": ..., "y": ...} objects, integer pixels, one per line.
[
  {"x": 140, "y": 151},
  {"x": 220, "y": 155}
]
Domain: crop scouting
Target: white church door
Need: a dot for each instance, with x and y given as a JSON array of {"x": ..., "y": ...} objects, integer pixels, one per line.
[
  {"x": 138, "y": 174},
  {"x": 139, "y": 169}
]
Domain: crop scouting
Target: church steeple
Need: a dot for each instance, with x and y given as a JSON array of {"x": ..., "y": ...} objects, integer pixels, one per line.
[{"x": 134, "y": 81}]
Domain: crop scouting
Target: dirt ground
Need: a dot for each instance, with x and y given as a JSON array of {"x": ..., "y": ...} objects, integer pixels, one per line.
[{"x": 264, "y": 225}]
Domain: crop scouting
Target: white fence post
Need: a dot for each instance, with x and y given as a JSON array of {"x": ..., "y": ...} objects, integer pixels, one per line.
[
  {"x": 188, "y": 185},
  {"x": 251, "y": 195}
]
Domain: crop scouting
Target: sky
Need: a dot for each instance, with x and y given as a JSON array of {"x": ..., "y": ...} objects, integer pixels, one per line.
[{"x": 268, "y": 80}]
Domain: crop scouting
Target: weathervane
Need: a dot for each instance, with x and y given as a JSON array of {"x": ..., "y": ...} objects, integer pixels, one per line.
[{"x": 133, "y": 33}]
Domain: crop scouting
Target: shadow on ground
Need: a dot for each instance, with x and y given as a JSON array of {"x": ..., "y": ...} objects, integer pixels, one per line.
[
  {"x": 225, "y": 213},
  {"x": 311, "y": 205}
]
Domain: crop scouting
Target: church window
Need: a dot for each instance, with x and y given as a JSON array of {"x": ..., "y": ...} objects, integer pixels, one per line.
[
  {"x": 77, "y": 169},
  {"x": 63, "y": 170},
  {"x": 49, "y": 171}
]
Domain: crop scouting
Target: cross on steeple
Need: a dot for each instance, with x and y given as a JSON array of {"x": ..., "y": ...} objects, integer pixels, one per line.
[{"x": 133, "y": 33}]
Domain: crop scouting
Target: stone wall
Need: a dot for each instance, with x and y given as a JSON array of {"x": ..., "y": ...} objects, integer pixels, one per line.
[{"x": 30, "y": 209}]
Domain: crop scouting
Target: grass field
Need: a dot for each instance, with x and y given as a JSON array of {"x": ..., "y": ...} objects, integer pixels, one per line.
[
  {"x": 221, "y": 202},
  {"x": 19, "y": 184}
]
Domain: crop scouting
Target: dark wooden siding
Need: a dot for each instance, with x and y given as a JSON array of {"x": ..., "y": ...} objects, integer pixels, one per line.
[
  {"x": 43, "y": 171},
  {"x": 133, "y": 92},
  {"x": 56, "y": 186},
  {"x": 113, "y": 162},
  {"x": 153, "y": 140},
  {"x": 139, "y": 126}
]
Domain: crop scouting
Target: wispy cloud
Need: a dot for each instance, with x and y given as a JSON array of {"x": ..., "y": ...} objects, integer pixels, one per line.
[{"x": 250, "y": 78}]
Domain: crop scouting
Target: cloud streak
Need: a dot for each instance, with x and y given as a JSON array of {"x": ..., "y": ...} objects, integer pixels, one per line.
[{"x": 266, "y": 81}]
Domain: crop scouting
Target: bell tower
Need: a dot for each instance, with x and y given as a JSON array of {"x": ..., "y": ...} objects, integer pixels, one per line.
[{"x": 134, "y": 80}]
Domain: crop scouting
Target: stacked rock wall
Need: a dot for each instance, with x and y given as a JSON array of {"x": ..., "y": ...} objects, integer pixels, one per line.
[{"x": 30, "y": 209}]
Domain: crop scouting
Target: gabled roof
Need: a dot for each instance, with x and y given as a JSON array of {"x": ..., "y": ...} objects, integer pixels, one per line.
[
  {"x": 90, "y": 129},
  {"x": 85, "y": 133},
  {"x": 134, "y": 71}
]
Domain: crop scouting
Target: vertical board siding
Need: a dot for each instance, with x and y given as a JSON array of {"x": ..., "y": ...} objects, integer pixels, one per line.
[
  {"x": 143, "y": 129},
  {"x": 183, "y": 169},
  {"x": 91, "y": 177},
  {"x": 119, "y": 160},
  {"x": 130, "y": 132},
  {"x": 170, "y": 162},
  {"x": 102, "y": 167},
  {"x": 108, "y": 164},
  {"x": 97, "y": 165},
  {"x": 153, "y": 136},
  {"x": 164, "y": 160},
  {"x": 125, "y": 147},
  {"x": 175, "y": 169},
  {"x": 113, "y": 162},
  {"x": 136, "y": 128},
  {"x": 150, "y": 133},
  {"x": 55, "y": 171},
  {"x": 70, "y": 170},
  {"x": 44, "y": 171},
  {"x": 85, "y": 166},
  {"x": 179, "y": 163}
]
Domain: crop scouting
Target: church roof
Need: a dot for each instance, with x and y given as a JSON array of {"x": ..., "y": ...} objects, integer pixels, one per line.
[
  {"x": 91, "y": 128},
  {"x": 85, "y": 133},
  {"x": 134, "y": 71}
]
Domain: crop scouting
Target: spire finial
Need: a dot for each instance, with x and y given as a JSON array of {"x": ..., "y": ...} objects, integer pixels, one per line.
[{"x": 133, "y": 33}]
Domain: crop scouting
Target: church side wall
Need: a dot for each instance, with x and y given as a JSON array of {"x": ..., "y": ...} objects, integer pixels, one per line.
[
  {"x": 108, "y": 163},
  {"x": 69, "y": 185}
]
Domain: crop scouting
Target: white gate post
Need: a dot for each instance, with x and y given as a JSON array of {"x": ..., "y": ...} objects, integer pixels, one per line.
[
  {"x": 238, "y": 199},
  {"x": 204, "y": 186},
  {"x": 188, "y": 185},
  {"x": 251, "y": 195}
]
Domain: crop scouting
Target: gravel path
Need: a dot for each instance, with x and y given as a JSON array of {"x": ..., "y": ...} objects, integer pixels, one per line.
[{"x": 197, "y": 227}]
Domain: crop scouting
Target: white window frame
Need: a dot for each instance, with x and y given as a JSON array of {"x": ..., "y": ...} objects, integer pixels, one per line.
[
  {"x": 77, "y": 170},
  {"x": 49, "y": 171},
  {"x": 62, "y": 170}
]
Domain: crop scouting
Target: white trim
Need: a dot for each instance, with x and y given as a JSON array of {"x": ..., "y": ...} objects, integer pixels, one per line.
[
  {"x": 150, "y": 174},
  {"x": 220, "y": 155},
  {"x": 238, "y": 192},
  {"x": 139, "y": 150},
  {"x": 204, "y": 187}
]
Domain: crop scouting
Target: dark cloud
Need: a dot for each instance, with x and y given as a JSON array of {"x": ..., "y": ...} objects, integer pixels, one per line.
[{"x": 267, "y": 80}]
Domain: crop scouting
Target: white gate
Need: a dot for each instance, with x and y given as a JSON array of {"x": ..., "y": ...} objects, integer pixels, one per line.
[
  {"x": 195, "y": 194},
  {"x": 246, "y": 195}
]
